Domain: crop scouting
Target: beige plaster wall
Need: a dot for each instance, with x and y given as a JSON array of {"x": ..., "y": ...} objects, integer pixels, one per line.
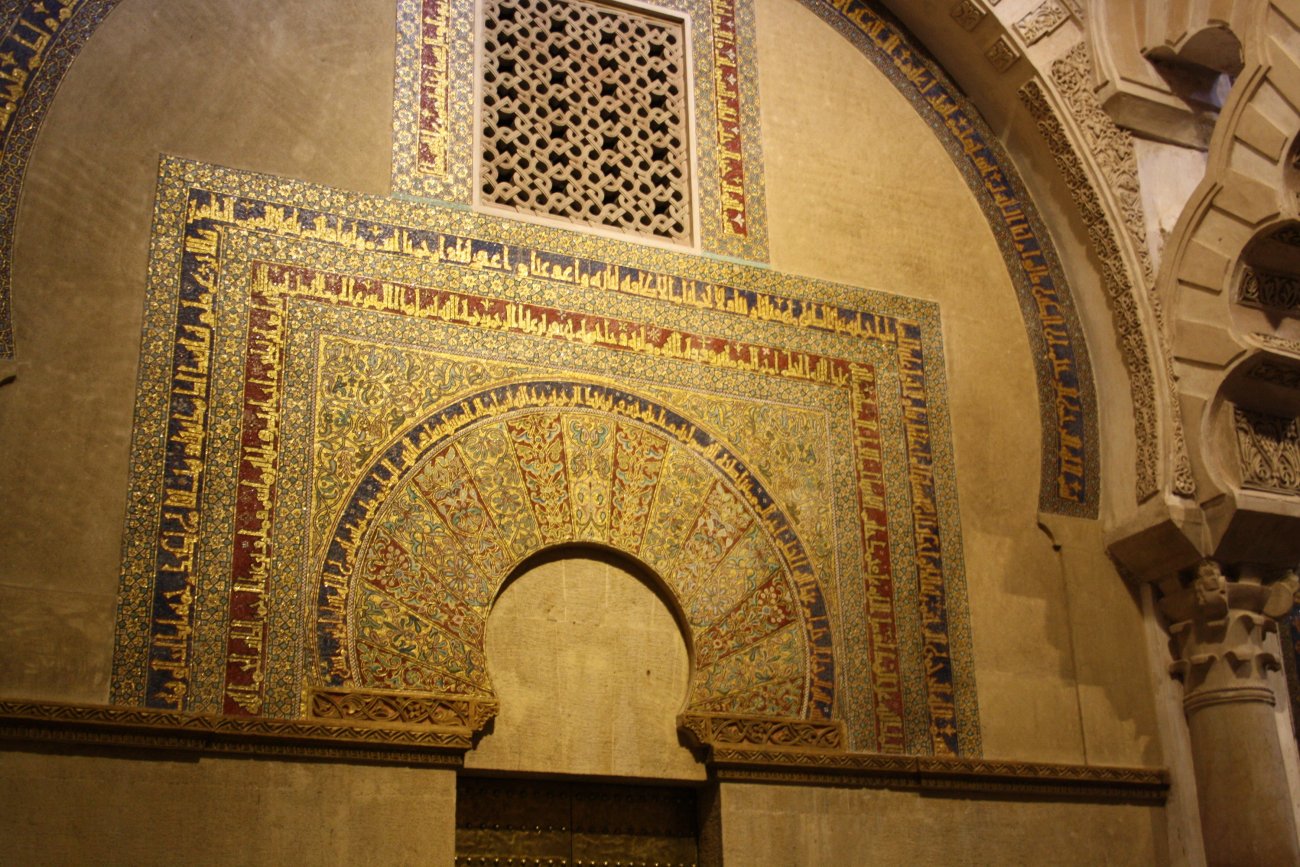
[
  {"x": 591, "y": 670},
  {"x": 301, "y": 88},
  {"x": 784, "y": 826},
  {"x": 146, "y": 809},
  {"x": 860, "y": 191}
]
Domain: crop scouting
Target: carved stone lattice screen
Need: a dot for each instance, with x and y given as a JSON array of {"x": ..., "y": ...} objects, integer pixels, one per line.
[{"x": 584, "y": 115}]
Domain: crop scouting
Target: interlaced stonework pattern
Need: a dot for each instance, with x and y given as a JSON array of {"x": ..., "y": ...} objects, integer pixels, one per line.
[{"x": 584, "y": 115}]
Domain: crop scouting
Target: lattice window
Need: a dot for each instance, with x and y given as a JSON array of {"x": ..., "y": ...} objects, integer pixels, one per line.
[{"x": 585, "y": 115}]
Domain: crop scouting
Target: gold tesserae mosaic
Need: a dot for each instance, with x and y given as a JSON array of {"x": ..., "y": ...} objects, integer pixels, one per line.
[{"x": 357, "y": 415}]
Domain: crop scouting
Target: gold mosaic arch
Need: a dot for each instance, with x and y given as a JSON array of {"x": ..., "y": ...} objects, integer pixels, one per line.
[{"x": 450, "y": 508}]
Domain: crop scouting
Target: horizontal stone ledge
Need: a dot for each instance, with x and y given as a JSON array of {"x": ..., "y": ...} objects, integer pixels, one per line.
[
  {"x": 993, "y": 777},
  {"x": 87, "y": 725}
]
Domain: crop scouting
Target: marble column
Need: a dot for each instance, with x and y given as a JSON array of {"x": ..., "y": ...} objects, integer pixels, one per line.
[{"x": 1219, "y": 623}]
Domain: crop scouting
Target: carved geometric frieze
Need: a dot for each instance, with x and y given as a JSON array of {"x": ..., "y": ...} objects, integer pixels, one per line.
[
  {"x": 968, "y": 13},
  {"x": 584, "y": 115},
  {"x": 441, "y": 711},
  {"x": 1002, "y": 54},
  {"x": 1268, "y": 448},
  {"x": 1041, "y": 21},
  {"x": 1270, "y": 289}
]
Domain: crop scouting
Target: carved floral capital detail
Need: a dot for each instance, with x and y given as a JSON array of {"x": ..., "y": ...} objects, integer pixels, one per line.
[{"x": 1218, "y": 625}]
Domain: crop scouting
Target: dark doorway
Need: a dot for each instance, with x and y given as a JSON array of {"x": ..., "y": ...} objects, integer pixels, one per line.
[{"x": 542, "y": 822}]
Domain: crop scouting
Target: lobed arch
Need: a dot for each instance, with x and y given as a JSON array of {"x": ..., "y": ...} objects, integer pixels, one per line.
[{"x": 443, "y": 517}]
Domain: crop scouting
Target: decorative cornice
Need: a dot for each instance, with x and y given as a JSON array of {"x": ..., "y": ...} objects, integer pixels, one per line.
[
  {"x": 756, "y": 749},
  {"x": 974, "y": 776},
  {"x": 99, "y": 725}
]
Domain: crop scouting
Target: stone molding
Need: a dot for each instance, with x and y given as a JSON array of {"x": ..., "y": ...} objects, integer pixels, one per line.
[
  {"x": 968, "y": 776},
  {"x": 107, "y": 726},
  {"x": 397, "y": 708},
  {"x": 743, "y": 748},
  {"x": 732, "y": 751}
]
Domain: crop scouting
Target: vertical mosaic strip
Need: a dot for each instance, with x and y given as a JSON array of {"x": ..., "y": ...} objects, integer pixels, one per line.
[
  {"x": 433, "y": 104},
  {"x": 435, "y": 59},
  {"x": 727, "y": 100},
  {"x": 1071, "y": 463},
  {"x": 41, "y": 39}
]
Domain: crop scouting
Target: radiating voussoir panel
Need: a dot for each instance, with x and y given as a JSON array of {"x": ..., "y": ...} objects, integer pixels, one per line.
[{"x": 444, "y": 514}]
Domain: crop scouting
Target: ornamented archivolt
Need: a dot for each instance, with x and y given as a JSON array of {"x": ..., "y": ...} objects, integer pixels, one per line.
[
  {"x": 1071, "y": 480},
  {"x": 483, "y": 483},
  {"x": 584, "y": 115},
  {"x": 356, "y": 414},
  {"x": 433, "y": 158},
  {"x": 1113, "y": 149},
  {"x": 40, "y": 41}
]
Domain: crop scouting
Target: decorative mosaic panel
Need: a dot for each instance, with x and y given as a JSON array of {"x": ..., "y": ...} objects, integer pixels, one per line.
[
  {"x": 356, "y": 416},
  {"x": 1071, "y": 463},
  {"x": 433, "y": 158},
  {"x": 40, "y": 41},
  {"x": 434, "y": 112}
]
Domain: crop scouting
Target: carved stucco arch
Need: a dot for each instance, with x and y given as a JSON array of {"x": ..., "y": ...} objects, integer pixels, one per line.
[
  {"x": 450, "y": 508},
  {"x": 1225, "y": 347}
]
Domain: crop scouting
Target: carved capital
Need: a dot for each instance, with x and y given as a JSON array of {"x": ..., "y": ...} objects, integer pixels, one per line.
[{"x": 1218, "y": 622}]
